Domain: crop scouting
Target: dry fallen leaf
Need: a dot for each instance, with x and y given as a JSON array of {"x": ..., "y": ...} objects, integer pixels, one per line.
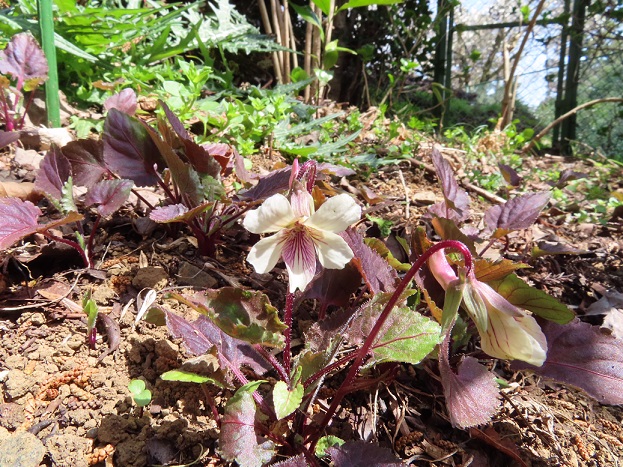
[
  {"x": 23, "y": 190},
  {"x": 611, "y": 306}
]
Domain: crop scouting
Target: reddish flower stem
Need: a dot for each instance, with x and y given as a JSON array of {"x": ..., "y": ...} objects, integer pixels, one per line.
[
  {"x": 273, "y": 361},
  {"x": 363, "y": 352},
  {"x": 287, "y": 351},
  {"x": 71, "y": 243}
]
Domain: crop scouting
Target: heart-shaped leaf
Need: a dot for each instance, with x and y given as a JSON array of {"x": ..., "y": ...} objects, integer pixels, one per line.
[
  {"x": 109, "y": 195},
  {"x": 18, "y": 219},
  {"x": 23, "y": 59},
  {"x": 581, "y": 355},
  {"x": 87, "y": 161},
  {"x": 53, "y": 173},
  {"x": 238, "y": 439},
  {"x": 472, "y": 395},
  {"x": 286, "y": 400},
  {"x": 516, "y": 214},
  {"x": 129, "y": 150},
  {"x": 124, "y": 101},
  {"x": 406, "y": 336}
]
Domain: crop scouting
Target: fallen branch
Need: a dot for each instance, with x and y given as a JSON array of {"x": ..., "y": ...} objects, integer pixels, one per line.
[
  {"x": 464, "y": 182},
  {"x": 573, "y": 111}
]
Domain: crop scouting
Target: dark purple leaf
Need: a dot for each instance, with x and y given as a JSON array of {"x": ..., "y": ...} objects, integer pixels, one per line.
[
  {"x": 19, "y": 219},
  {"x": 510, "y": 175},
  {"x": 129, "y": 151},
  {"x": 378, "y": 275},
  {"x": 321, "y": 335},
  {"x": 296, "y": 461},
  {"x": 334, "y": 286},
  {"x": 53, "y": 172},
  {"x": 110, "y": 195},
  {"x": 177, "y": 213},
  {"x": 171, "y": 213},
  {"x": 567, "y": 176},
  {"x": 124, "y": 101},
  {"x": 517, "y": 213},
  {"x": 198, "y": 156},
  {"x": 8, "y": 137},
  {"x": 23, "y": 59},
  {"x": 87, "y": 161},
  {"x": 176, "y": 124},
  {"x": 241, "y": 172},
  {"x": 223, "y": 154},
  {"x": 201, "y": 335},
  {"x": 472, "y": 395},
  {"x": 456, "y": 201},
  {"x": 275, "y": 182},
  {"x": 238, "y": 440},
  {"x": 184, "y": 176},
  {"x": 582, "y": 356},
  {"x": 362, "y": 454}
]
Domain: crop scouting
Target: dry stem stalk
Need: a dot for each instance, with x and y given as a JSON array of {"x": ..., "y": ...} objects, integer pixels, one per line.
[{"x": 269, "y": 30}]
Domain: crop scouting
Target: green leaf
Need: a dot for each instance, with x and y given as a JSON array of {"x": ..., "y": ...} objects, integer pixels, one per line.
[
  {"x": 407, "y": 336},
  {"x": 242, "y": 314},
  {"x": 89, "y": 306},
  {"x": 308, "y": 15},
  {"x": 520, "y": 294},
  {"x": 360, "y": 3},
  {"x": 285, "y": 400},
  {"x": 298, "y": 74},
  {"x": 140, "y": 394},
  {"x": 451, "y": 304},
  {"x": 189, "y": 377},
  {"x": 324, "y": 5},
  {"x": 67, "y": 197},
  {"x": 380, "y": 247},
  {"x": 331, "y": 52},
  {"x": 327, "y": 442}
]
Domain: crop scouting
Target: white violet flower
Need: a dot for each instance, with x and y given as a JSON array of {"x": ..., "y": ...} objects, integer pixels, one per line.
[
  {"x": 301, "y": 235},
  {"x": 506, "y": 331}
]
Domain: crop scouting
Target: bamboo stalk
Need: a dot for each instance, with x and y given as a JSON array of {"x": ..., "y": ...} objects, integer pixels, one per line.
[
  {"x": 269, "y": 30},
  {"x": 316, "y": 50},
  {"x": 295, "y": 60},
  {"x": 275, "y": 10},
  {"x": 307, "y": 58},
  {"x": 285, "y": 40}
]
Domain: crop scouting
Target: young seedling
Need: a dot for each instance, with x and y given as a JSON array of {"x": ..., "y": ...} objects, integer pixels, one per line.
[
  {"x": 140, "y": 394},
  {"x": 91, "y": 309}
]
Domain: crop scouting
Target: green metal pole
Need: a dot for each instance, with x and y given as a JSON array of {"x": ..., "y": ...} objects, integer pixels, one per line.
[{"x": 46, "y": 22}]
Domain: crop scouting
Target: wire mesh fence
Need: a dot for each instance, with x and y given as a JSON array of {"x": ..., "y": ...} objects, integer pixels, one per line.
[{"x": 550, "y": 80}]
